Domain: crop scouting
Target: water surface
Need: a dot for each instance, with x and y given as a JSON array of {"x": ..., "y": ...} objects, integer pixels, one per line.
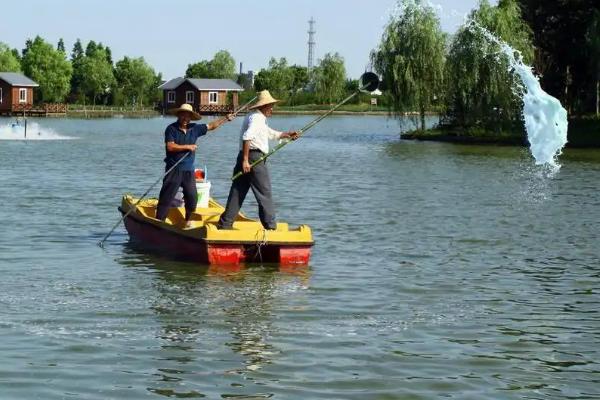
[{"x": 439, "y": 270}]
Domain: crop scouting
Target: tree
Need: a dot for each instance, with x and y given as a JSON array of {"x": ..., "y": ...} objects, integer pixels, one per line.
[
  {"x": 411, "y": 58},
  {"x": 61, "y": 46},
  {"x": 593, "y": 40},
  {"x": 481, "y": 87},
  {"x": 300, "y": 77},
  {"x": 562, "y": 51},
  {"x": 97, "y": 74},
  {"x": 222, "y": 66},
  {"x": 48, "y": 67},
  {"x": 330, "y": 78},
  {"x": 8, "y": 61},
  {"x": 278, "y": 78},
  {"x": 108, "y": 55},
  {"x": 91, "y": 48},
  {"x": 77, "y": 53},
  {"x": 199, "y": 70},
  {"x": 135, "y": 79},
  {"x": 77, "y": 57}
]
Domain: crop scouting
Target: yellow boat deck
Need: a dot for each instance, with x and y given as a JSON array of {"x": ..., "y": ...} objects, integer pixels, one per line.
[{"x": 204, "y": 225}]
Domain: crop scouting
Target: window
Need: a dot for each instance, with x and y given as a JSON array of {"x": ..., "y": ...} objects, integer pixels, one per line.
[
  {"x": 171, "y": 96},
  {"x": 22, "y": 95},
  {"x": 213, "y": 97},
  {"x": 189, "y": 97}
]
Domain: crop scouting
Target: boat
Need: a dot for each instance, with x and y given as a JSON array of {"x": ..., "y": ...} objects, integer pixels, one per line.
[{"x": 203, "y": 242}]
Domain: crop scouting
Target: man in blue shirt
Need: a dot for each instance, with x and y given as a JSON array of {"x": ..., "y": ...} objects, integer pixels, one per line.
[{"x": 180, "y": 142}]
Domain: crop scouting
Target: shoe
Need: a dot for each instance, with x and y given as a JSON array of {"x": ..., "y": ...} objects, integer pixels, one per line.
[{"x": 225, "y": 228}]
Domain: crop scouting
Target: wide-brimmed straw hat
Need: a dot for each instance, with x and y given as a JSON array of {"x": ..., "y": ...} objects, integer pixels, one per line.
[
  {"x": 185, "y": 108},
  {"x": 264, "y": 98}
]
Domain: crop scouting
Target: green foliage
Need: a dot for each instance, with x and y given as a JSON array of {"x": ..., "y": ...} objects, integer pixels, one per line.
[
  {"x": 561, "y": 30},
  {"x": 61, "y": 46},
  {"x": 222, "y": 66},
  {"x": 480, "y": 85},
  {"x": 278, "y": 78},
  {"x": 330, "y": 78},
  {"x": 96, "y": 72},
  {"x": 411, "y": 58},
  {"x": 77, "y": 57},
  {"x": 8, "y": 61},
  {"x": 135, "y": 80},
  {"x": 77, "y": 53},
  {"x": 300, "y": 77},
  {"x": 200, "y": 69},
  {"x": 49, "y": 68},
  {"x": 593, "y": 45}
]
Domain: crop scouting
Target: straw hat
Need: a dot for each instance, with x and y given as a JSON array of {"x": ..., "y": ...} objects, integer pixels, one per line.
[
  {"x": 185, "y": 108},
  {"x": 264, "y": 98}
]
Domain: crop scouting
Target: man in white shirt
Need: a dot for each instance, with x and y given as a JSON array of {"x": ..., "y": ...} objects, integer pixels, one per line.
[{"x": 254, "y": 143}]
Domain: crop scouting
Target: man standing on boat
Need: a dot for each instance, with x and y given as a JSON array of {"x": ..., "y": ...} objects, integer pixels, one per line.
[
  {"x": 180, "y": 142},
  {"x": 254, "y": 143}
]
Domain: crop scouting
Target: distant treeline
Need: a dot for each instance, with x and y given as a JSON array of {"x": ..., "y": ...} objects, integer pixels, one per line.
[
  {"x": 89, "y": 76},
  {"x": 466, "y": 77}
]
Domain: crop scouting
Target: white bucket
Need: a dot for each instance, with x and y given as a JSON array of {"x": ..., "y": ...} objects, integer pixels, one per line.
[{"x": 203, "y": 189}]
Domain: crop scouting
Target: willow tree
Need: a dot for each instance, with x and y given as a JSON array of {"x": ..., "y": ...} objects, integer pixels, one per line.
[
  {"x": 330, "y": 78},
  {"x": 482, "y": 91},
  {"x": 411, "y": 58}
]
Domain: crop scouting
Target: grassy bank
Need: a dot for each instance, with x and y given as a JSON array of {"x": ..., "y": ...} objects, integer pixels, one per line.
[
  {"x": 583, "y": 132},
  {"x": 346, "y": 109},
  {"x": 99, "y": 111}
]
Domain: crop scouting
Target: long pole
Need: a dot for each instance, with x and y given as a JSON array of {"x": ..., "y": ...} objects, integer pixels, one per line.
[
  {"x": 101, "y": 243},
  {"x": 300, "y": 133}
]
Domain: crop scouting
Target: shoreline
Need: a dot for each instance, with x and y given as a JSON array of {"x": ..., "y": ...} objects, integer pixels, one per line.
[
  {"x": 582, "y": 133},
  {"x": 103, "y": 114}
]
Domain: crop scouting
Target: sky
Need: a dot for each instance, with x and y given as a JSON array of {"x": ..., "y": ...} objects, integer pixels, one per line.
[{"x": 172, "y": 34}]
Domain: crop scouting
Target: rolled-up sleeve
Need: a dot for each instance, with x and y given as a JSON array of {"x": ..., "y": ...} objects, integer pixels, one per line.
[{"x": 273, "y": 134}]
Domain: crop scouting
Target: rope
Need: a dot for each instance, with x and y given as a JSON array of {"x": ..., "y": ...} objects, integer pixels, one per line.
[{"x": 260, "y": 242}]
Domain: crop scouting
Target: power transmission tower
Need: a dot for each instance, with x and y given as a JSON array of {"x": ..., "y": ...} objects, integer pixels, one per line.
[{"x": 311, "y": 44}]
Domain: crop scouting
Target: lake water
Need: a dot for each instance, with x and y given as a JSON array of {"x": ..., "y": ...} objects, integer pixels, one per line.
[{"x": 439, "y": 271}]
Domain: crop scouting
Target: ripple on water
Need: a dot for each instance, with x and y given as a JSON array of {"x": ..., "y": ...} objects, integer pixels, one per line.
[{"x": 439, "y": 271}]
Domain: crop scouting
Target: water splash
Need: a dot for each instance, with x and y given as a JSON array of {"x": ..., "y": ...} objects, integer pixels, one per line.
[
  {"x": 545, "y": 118},
  {"x": 16, "y": 131}
]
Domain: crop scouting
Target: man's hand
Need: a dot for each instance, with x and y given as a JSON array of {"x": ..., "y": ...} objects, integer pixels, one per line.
[
  {"x": 230, "y": 117},
  {"x": 246, "y": 166},
  {"x": 291, "y": 135},
  {"x": 192, "y": 147}
]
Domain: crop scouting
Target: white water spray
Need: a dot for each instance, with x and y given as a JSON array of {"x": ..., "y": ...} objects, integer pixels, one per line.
[
  {"x": 16, "y": 131},
  {"x": 545, "y": 118}
]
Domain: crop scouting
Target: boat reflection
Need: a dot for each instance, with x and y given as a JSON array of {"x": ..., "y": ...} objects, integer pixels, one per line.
[{"x": 212, "y": 320}]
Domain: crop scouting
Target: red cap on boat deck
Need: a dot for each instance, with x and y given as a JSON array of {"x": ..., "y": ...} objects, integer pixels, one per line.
[{"x": 199, "y": 174}]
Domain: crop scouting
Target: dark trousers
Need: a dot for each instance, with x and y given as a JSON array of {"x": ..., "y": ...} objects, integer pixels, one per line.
[
  {"x": 171, "y": 184},
  {"x": 260, "y": 182}
]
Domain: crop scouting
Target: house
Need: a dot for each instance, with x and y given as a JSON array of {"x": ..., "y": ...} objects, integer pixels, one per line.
[
  {"x": 207, "y": 96},
  {"x": 16, "y": 92}
]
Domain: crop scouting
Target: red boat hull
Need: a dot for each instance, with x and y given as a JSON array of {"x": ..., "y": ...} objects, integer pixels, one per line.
[{"x": 199, "y": 250}]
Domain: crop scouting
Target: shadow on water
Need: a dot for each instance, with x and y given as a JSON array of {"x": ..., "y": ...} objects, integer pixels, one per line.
[{"x": 195, "y": 305}]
